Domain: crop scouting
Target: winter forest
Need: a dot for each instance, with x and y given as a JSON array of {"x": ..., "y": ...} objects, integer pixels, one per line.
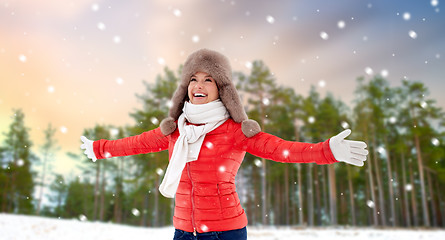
[
  {"x": 305, "y": 71},
  {"x": 400, "y": 185}
]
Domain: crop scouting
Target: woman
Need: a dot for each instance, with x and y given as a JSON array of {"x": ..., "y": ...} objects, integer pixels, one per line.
[{"x": 207, "y": 135}]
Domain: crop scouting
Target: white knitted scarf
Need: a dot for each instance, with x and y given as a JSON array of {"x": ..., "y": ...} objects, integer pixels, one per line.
[{"x": 190, "y": 139}]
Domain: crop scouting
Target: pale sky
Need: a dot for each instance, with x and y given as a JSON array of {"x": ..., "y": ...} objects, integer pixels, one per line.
[{"x": 78, "y": 63}]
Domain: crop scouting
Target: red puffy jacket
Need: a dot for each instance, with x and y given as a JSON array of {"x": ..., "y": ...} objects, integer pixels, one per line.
[{"x": 206, "y": 199}]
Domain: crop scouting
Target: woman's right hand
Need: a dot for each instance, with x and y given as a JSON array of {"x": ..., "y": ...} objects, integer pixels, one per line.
[{"x": 88, "y": 146}]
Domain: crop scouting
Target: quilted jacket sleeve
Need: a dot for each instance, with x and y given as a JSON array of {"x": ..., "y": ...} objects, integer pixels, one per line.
[
  {"x": 271, "y": 147},
  {"x": 150, "y": 141}
]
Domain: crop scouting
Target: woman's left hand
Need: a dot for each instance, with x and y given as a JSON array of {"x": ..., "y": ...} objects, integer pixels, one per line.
[{"x": 352, "y": 152}]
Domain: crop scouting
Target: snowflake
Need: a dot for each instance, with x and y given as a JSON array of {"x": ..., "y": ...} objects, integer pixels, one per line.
[
  {"x": 408, "y": 187},
  {"x": 412, "y": 34},
  {"x": 101, "y": 26},
  {"x": 435, "y": 142},
  {"x": 204, "y": 228},
  {"x": 177, "y": 12},
  {"x": 258, "y": 163},
  {"x": 341, "y": 24},
  {"x": 324, "y": 35},
  {"x": 311, "y": 119},
  {"x": 270, "y": 19},
  {"x": 406, "y": 16},
  {"x": 22, "y": 58},
  {"x": 344, "y": 125},
  {"x": 322, "y": 83},
  {"x": 434, "y": 3},
  {"x": 161, "y": 61},
  {"x": 222, "y": 169},
  {"x": 369, "y": 71},
  {"x": 119, "y": 81},
  {"x": 209, "y": 145},
  {"x": 195, "y": 38},
  {"x": 370, "y": 204},
  {"x": 82, "y": 218},
  {"x": 20, "y": 162},
  {"x": 154, "y": 120},
  {"x": 51, "y": 89},
  {"x": 286, "y": 153},
  {"x": 135, "y": 212},
  {"x": 116, "y": 39},
  {"x": 392, "y": 119},
  {"x": 63, "y": 129},
  {"x": 95, "y": 7},
  {"x": 159, "y": 171}
]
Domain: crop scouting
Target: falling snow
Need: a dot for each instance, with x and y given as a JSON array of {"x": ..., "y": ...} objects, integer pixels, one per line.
[
  {"x": 406, "y": 16},
  {"x": 412, "y": 34},
  {"x": 369, "y": 71},
  {"x": 341, "y": 24},
  {"x": 135, "y": 212},
  {"x": 119, "y": 81},
  {"x": 195, "y": 38},
  {"x": 154, "y": 120},
  {"x": 370, "y": 204},
  {"x": 311, "y": 119},
  {"x": 22, "y": 58},
  {"x": 63, "y": 129},
  {"x": 177, "y": 12},
  {"x": 101, "y": 26},
  {"x": 270, "y": 19},
  {"x": 324, "y": 35},
  {"x": 435, "y": 142}
]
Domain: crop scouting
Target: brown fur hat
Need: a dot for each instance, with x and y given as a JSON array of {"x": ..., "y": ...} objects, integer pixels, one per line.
[{"x": 218, "y": 66}]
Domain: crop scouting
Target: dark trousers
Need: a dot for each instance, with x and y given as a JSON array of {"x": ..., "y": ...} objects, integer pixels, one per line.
[{"x": 238, "y": 234}]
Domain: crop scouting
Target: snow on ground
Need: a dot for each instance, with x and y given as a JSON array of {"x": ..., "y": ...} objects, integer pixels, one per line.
[{"x": 19, "y": 227}]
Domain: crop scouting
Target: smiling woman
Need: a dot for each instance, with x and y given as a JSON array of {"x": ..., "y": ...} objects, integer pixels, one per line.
[{"x": 202, "y": 88}]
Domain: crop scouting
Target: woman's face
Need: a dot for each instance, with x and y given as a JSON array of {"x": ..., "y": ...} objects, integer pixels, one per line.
[{"x": 202, "y": 88}]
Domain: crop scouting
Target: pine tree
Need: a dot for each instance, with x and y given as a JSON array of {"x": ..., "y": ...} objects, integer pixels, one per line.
[{"x": 18, "y": 184}]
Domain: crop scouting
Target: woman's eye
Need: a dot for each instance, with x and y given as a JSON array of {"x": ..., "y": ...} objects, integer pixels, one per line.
[
  {"x": 193, "y": 79},
  {"x": 208, "y": 80}
]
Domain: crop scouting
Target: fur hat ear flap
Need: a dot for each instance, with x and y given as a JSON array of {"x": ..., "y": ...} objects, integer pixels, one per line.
[
  {"x": 168, "y": 126},
  {"x": 250, "y": 128}
]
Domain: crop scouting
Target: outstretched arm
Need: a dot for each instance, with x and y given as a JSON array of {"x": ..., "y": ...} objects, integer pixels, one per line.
[
  {"x": 151, "y": 141},
  {"x": 335, "y": 149}
]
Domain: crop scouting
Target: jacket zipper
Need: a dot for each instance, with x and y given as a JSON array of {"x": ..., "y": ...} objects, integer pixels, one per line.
[{"x": 192, "y": 200}]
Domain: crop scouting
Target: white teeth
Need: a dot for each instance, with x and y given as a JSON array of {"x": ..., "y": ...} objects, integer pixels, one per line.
[{"x": 199, "y": 95}]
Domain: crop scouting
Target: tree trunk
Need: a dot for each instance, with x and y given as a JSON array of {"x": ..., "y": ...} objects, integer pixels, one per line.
[
  {"x": 102, "y": 196},
  {"x": 407, "y": 211},
  {"x": 317, "y": 196},
  {"x": 96, "y": 190},
  {"x": 390, "y": 185},
  {"x": 310, "y": 196},
  {"x": 431, "y": 197},
  {"x": 413, "y": 197},
  {"x": 426, "y": 219},
  {"x": 332, "y": 195},
  {"x": 381, "y": 205},
  {"x": 300, "y": 196},
  {"x": 286, "y": 196},
  {"x": 351, "y": 196},
  {"x": 372, "y": 188}
]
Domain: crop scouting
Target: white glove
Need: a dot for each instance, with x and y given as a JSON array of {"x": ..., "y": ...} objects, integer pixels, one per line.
[
  {"x": 352, "y": 152},
  {"x": 88, "y": 146}
]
